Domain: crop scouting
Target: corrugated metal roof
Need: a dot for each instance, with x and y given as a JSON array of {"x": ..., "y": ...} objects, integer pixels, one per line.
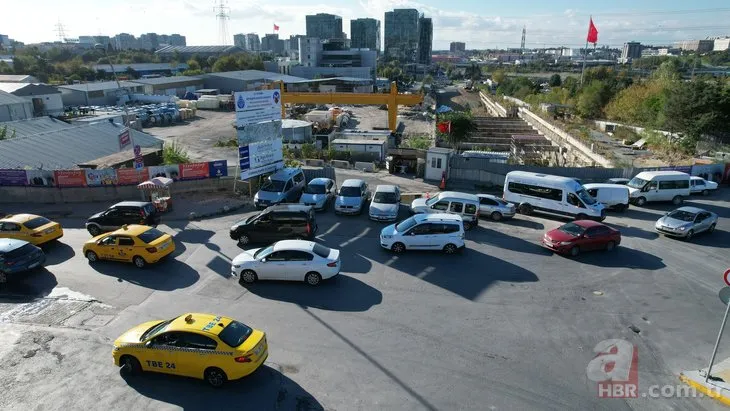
[
  {"x": 199, "y": 49},
  {"x": 18, "y": 78},
  {"x": 251, "y": 75},
  {"x": 167, "y": 80},
  {"x": 343, "y": 79},
  {"x": 96, "y": 86},
  {"x": 67, "y": 146},
  {"x": 35, "y": 126},
  {"x": 28, "y": 89},
  {"x": 7, "y": 99},
  {"x": 120, "y": 68}
]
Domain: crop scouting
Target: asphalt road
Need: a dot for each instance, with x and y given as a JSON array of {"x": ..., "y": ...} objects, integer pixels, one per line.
[{"x": 504, "y": 325}]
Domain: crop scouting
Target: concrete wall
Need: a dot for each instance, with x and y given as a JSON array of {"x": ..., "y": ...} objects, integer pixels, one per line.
[
  {"x": 109, "y": 193},
  {"x": 492, "y": 106}
]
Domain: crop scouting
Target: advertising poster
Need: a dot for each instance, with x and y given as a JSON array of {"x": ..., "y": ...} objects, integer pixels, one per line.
[
  {"x": 257, "y": 106},
  {"x": 70, "y": 178},
  {"x": 125, "y": 139},
  {"x": 131, "y": 176},
  {"x": 194, "y": 171},
  {"x": 101, "y": 177},
  {"x": 41, "y": 178},
  {"x": 13, "y": 178},
  {"x": 170, "y": 171},
  {"x": 218, "y": 168},
  {"x": 260, "y": 148}
]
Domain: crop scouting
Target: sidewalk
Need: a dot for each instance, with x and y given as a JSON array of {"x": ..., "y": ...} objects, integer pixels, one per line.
[{"x": 717, "y": 387}]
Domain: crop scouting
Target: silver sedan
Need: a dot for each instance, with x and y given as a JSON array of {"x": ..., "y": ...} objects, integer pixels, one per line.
[
  {"x": 494, "y": 207},
  {"x": 685, "y": 222}
]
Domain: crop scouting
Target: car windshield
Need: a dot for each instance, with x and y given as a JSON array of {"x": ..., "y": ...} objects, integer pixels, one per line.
[
  {"x": 572, "y": 229},
  {"x": 350, "y": 192},
  {"x": 235, "y": 333},
  {"x": 432, "y": 200},
  {"x": 151, "y": 235},
  {"x": 385, "y": 198},
  {"x": 274, "y": 186},
  {"x": 405, "y": 224},
  {"x": 154, "y": 330},
  {"x": 583, "y": 194},
  {"x": 263, "y": 251},
  {"x": 321, "y": 250},
  {"x": 637, "y": 182},
  {"x": 36, "y": 222},
  {"x": 315, "y": 189},
  {"x": 682, "y": 215}
]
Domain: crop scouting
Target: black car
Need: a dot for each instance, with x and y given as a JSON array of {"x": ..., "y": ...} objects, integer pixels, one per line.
[
  {"x": 17, "y": 256},
  {"x": 126, "y": 212},
  {"x": 275, "y": 223}
]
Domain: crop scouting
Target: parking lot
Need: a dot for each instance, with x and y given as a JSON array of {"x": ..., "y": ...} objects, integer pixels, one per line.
[{"x": 503, "y": 325}]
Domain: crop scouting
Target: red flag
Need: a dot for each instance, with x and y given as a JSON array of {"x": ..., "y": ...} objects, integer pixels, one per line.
[
  {"x": 592, "y": 33},
  {"x": 444, "y": 127},
  {"x": 276, "y": 28}
]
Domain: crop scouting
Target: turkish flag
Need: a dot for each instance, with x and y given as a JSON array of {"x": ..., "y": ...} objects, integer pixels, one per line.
[
  {"x": 592, "y": 33},
  {"x": 276, "y": 28},
  {"x": 444, "y": 127}
]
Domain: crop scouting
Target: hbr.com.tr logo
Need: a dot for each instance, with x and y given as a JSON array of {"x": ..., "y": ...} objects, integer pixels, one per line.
[
  {"x": 616, "y": 369},
  {"x": 241, "y": 103}
]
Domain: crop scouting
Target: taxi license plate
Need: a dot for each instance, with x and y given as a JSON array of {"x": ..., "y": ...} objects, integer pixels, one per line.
[
  {"x": 258, "y": 350},
  {"x": 164, "y": 246},
  {"x": 49, "y": 230}
]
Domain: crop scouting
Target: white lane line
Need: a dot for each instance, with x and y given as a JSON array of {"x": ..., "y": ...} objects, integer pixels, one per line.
[{"x": 357, "y": 237}]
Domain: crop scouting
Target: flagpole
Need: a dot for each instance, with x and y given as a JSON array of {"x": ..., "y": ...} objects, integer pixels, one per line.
[{"x": 585, "y": 53}]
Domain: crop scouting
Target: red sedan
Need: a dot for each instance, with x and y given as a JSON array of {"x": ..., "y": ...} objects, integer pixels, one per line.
[{"x": 581, "y": 235}]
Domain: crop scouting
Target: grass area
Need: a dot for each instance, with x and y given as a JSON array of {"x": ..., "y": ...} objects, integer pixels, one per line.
[
  {"x": 419, "y": 142},
  {"x": 174, "y": 154},
  {"x": 232, "y": 142}
]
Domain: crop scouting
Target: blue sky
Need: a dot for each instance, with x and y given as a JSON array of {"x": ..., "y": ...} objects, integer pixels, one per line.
[{"x": 480, "y": 23}]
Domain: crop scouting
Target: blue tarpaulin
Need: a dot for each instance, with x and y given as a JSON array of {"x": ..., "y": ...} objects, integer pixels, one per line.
[{"x": 444, "y": 109}]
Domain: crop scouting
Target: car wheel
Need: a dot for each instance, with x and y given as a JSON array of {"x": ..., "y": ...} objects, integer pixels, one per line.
[
  {"x": 244, "y": 239},
  {"x": 496, "y": 216},
  {"x": 620, "y": 207},
  {"x": 689, "y": 235},
  {"x": 711, "y": 229},
  {"x": 94, "y": 230},
  {"x": 450, "y": 249},
  {"x": 581, "y": 216},
  {"x": 92, "y": 257},
  {"x": 215, "y": 377},
  {"x": 248, "y": 277},
  {"x": 677, "y": 200},
  {"x": 130, "y": 365},
  {"x": 610, "y": 246},
  {"x": 398, "y": 248},
  {"x": 139, "y": 261},
  {"x": 313, "y": 278},
  {"x": 526, "y": 209},
  {"x": 575, "y": 251},
  {"x": 640, "y": 201},
  {"x": 468, "y": 225},
  {"x": 705, "y": 192}
]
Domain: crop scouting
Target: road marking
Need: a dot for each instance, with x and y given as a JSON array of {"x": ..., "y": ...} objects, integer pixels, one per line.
[{"x": 357, "y": 237}]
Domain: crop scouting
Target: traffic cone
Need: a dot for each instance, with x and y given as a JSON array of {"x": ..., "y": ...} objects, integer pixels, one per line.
[
  {"x": 442, "y": 185},
  {"x": 428, "y": 195}
]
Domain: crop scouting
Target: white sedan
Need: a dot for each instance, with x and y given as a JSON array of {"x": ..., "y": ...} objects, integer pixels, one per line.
[
  {"x": 293, "y": 260},
  {"x": 699, "y": 185}
]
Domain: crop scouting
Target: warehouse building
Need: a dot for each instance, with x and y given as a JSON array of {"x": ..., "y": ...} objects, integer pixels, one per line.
[
  {"x": 143, "y": 69},
  {"x": 18, "y": 78},
  {"x": 245, "y": 80},
  {"x": 169, "y": 86},
  {"x": 46, "y": 100},
  {"x": 103, "y": 93},
  {"x": 202, "y": 51},
  {"x": 14, "y": 108}
]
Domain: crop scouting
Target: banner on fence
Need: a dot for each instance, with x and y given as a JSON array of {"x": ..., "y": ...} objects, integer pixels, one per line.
[
  {"x": 218, "y": 168},
  {"x": 194, "y": 171},
  {"x": 131, "y": 176},
  {"x": 41, "y": 178},
  {"x": 257, "y": 106},
  {"x": 101, "y": 177},
  {"x": 170, "y": 171},
  {"x": 70, "y": 178},
  {"x": 13, "y": 178}
]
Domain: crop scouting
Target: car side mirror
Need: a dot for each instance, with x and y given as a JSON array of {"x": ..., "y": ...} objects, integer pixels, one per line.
[
  {"x": 263, "y": 260},
  {"x": 149, "y": 344}
]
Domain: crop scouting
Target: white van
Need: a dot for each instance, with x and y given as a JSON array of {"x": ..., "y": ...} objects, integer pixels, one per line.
[
  {"x": 452, "y": 202},
  {"x": 443, "y": 232},
  {"x": 659, "y": 186},
  {"x": 613, "y": 196},
  {"x": 551, "y": 194}
]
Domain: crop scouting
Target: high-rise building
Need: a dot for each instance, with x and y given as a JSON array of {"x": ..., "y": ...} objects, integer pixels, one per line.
[
  {"x": 457, "y": 47},
  {"x": 272, "y": 43},
  {"x": 239, "y": 40},
  {"x": 401, "y": 35},
  {"x": 631, "y": 50},
  {"x": 365, "y": 34},
  {"x": 124, "y": 41},
  {"x": 425, "y": 40},
  {"x": 324, "y": 26},
  {"x": 253, "y": 43},
  {"x": 177, "y": 40},
  {"x": 149, "y": 41}
]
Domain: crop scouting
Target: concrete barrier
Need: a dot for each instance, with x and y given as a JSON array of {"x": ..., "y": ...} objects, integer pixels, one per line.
[
  {"x": 407, "y": 198},
  {"x": 340, "y": 164},
  {"x": 365, "y": 166},
  {"x": 313, "y": 162}
]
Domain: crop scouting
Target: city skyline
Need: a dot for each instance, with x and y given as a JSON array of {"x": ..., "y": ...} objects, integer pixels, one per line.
[{"x": 500, "y": 26}]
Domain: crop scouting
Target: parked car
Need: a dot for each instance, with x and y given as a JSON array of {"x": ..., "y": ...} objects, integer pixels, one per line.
[
  {"x": 443, "y": 232},
  {"x": 293, "y": 260},
  {"x": 685, "y": 222},
  {"x": 612, "y": 196},
  {"x": 581, "y": 235},
  {"x": 619, "y": 181},
  {"x": 659, "y": 186},
  {"x": 284, "y": 186},
  {"x": 494, "y": 207},
  {"x": 137, "y": 244},
  {"x": 385, "y": 204},
  {"x": 353, "y": 196},
  {"x": 277, "y": 222},
  {"x": 698, "y": 185},
  {"x": 462, "y": 204},
  {"x": 124, "y": 213},
  {"x": 319, "y": 193},
  {"x": 17, "y": 256},
  {"x": 34, "y": 229}
]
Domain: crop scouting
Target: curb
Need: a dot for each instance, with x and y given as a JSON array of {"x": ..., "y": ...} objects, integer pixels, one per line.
[
  {"x": 705, "y": 390},
  {"x": 193, "y": 216}
]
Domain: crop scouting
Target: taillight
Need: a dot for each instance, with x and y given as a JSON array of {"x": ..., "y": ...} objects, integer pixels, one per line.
[
  {"x": 141, "y": 212},
  {"x": 309, "y": 229},
  {"x": 151, "y": 249},
  {"x": 244, "y": 358},
  {"x": 37, "y": 235},
  {"x": 332, "y": 264}
]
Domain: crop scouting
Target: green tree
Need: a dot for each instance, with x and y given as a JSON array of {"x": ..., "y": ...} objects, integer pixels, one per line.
[
  {"x": 499, "y": 76},
  {"x": 173, "y": 153},
  {"x": 131, "y": 73},
  {"x": 698, "y": 108},
  {"x": 428, "y": 79},
  {"x": 462, "y": 125},
  {"x": 193, "y": 65},
  {"x": 555, "y": 80},
  {"x": 592, "y": 99}
]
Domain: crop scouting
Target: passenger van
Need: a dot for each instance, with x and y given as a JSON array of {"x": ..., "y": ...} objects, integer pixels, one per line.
[
  {"x": 551, "y": 194},
  {"x": 442, "y": 232},
  {"x": 284, "y": 186},
  {"x": 613, "y": 196},
  {"x": 659, "y": 186},
  {"x": 462, "y": 204}
]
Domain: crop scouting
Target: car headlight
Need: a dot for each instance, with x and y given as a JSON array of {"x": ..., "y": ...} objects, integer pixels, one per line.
[
  {"x": 386, "y": 237},
  {"x": 116, "y": 348},
  {"x": 682, "y": 228},
  {"x": 566, "y": 243},
  {"x": 236, "y": 265}
]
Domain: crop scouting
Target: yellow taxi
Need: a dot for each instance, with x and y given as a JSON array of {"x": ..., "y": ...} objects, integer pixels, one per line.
[
  {"x": 138, "y": 244},
  {"x": 32, "y": 228},
  {"x": 205, "y": 346}
]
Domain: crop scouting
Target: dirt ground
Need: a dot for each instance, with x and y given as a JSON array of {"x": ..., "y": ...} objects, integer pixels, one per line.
[{"x": 200, "y": 135}]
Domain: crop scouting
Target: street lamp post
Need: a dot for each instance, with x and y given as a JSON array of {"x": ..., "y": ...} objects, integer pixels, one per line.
[{"x": 99, "y": 46}]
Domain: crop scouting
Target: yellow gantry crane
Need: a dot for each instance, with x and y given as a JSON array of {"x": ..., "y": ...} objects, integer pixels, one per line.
[{"x": 392, "y": 100}]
